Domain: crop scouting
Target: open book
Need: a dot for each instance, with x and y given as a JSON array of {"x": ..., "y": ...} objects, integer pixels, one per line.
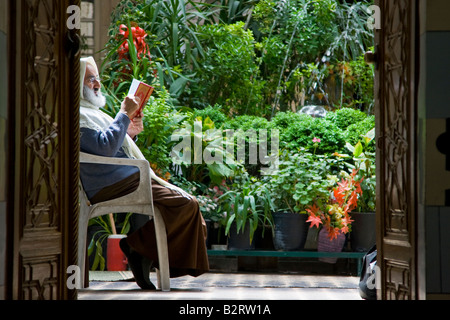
[{"x": 141, "y": 90}]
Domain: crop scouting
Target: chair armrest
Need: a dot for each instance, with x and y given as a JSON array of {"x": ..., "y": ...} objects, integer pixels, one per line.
[
  {"x": 91, "y": 158},
  {"x": 143, "y": 193}
]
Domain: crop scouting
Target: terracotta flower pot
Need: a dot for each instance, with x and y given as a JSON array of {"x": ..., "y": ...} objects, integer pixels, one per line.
[{"x": 116, "y": 259}]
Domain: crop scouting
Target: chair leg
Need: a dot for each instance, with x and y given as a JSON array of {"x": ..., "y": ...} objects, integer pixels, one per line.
[
  {"x": 163, "y": 255},
  {"x": 82, "y": 239},
  {"x": 158, "y": 278}
]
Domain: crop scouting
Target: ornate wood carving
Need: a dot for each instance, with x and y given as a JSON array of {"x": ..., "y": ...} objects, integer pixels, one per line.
[
  {"x": 46, "y": 106},
  {"x": 396, "y": 154}
]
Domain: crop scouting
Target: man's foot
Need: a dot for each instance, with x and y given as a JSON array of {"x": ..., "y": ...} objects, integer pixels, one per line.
[{"x": 139, "y": 265}]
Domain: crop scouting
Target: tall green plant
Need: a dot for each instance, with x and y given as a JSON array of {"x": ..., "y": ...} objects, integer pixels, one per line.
[
  {"x": 363, "y": 161},
  {"x": 95, "y": 245},
  {"x": 172, "y": 37},
  {"x": 124, "y": 62},
  {"x": 230, "y": 11},
  {"x": 248, "y": 202},
  {"x": 228, "y": 69},
  {"x": 201, "y": 151},
  {"x": 160, "y": 121},
  {"x": 299, "y": 38}
]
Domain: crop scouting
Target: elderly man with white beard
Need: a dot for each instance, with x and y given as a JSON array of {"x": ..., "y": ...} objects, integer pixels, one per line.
[{"x": 113, "y": 137}]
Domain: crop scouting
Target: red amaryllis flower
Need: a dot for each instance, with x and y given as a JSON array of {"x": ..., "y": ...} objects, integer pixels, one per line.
[{"x": 138, "y": 34}]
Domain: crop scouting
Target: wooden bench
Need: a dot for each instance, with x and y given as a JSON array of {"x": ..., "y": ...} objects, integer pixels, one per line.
[{"x": 291, "y": 254}]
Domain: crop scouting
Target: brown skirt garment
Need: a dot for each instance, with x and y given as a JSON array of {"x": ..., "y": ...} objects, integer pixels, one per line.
[
  {"x": 185, "y": 226},
  {"x": 118, "y": 189}
]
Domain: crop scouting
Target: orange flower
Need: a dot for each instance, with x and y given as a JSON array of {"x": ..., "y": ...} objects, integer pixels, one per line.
[
  {"x": 313, "y": 218},
  {"x": 347, "y": 221},
  {"x": 344, "y": 199},
  {"x": 353, "y": 201},
  {"x": 333, "y": 233},
  {"x": 339, "y": 196}
]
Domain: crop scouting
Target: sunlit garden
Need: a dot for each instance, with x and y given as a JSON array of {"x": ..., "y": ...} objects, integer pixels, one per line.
[{"x": 259, "y": 108}]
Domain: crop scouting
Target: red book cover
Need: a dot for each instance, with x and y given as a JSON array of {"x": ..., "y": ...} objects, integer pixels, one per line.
[{"x": 141, "y": 90}]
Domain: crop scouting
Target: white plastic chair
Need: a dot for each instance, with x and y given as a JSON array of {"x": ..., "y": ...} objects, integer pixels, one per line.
[{"x": 140, "y": 201}]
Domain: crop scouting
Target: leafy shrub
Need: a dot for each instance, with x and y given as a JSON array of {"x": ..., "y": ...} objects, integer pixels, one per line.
[
  {"x": 245, "y": 122},
  {"x": 200, "y": 151},
  {"x": 301, "y": 179},
  {"x": 227, "y": 69},
  {"x": 355, "y": 131},
  {"x": 344, "y": 117},
  {"x": 282, "y": 120},
  {"x": 160, "y": 120},
  {"x": 215, "y": 113},
  {"x": 243, "y": 127},
  {"x": 300, "y": 134}
]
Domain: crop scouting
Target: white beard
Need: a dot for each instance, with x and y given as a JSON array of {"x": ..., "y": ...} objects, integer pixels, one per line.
[{"x": 97, "y": 100}]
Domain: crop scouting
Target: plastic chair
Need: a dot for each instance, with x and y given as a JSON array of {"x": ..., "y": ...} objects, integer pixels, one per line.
[{"x": 140, "y": 201}]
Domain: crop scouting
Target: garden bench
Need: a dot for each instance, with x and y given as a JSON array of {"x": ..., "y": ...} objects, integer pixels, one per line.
[{"x": 291, "y": 254}]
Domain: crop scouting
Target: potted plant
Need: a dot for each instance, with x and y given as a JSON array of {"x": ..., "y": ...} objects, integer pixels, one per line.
[
  {"x": 362, "y": 237},
  {"x": 105, "y": 227},
  {"x": 301, "y": 179},
  {"x": 247, "y": 206},
  {"x": 212, "y": 213},
  {"x": 334, "y": 215}
]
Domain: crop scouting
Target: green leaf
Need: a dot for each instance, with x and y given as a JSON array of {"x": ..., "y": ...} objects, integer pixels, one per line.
[
  {"x": 369, "y": 136},
  {"x": 229, "y": 222},
  {"x": 99, "y": 261},
  {"x": 358, "y": 149},
  {"x": 177, "y": 87}
]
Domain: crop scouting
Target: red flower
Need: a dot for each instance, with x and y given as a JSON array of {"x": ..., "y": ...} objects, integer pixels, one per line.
[{"x": 138, "y": 34}]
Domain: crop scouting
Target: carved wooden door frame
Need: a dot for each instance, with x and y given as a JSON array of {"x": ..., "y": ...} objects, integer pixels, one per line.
[
  {"x": 399, "y": 219},
  {"x": 43, "y": 111}
]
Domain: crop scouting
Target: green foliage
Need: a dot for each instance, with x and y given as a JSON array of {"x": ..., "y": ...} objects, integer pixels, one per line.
[
  {"x": 344, "y": 117},
  {"x": 215, "y": 113},
  {"x": 229, "y": 11},
  {"x": 172, "y": 38},
  {"x": 300, "y": 39},
  {"x": 248, "y": 129},
  {"x": 160, "y": 121},
  {"x": 227, "y": 69},
  {"x": 301, "y": 179},
  {"x": 356, "y": 131},
  {"x": 361, "y": 84},
  {"x": 247, "y": 202},
  {"x": 246, "y": 122},
  {"x": 362, "y": 160},
  {"x": 300, "y": 134},
  {"x": 118, "y": 71},
  {"x": 252, "y": 57},
  {"x": 201, "y": 152},
  {"x": 95, "y": 245},
  {"x": 250, "y": 65},
  {"x": 283, "y": 120}
]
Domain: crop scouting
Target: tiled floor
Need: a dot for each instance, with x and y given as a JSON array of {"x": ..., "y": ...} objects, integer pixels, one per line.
[{"x": 232, "y": 286}]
